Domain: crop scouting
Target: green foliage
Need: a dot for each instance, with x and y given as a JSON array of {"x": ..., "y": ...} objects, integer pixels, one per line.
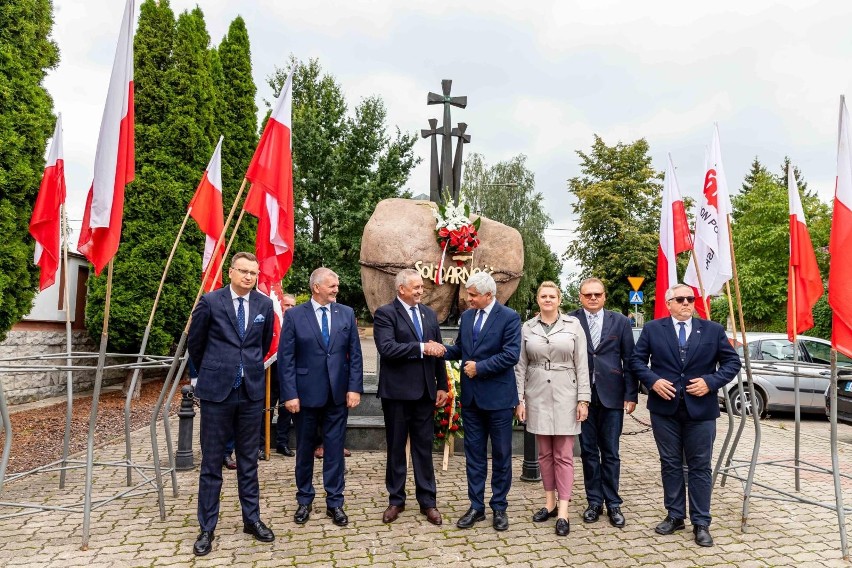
[
  {"x": 343, "y": 165},
  {"x": 762, "y": 244},
  {"x": 178, "y": 120},
  {"x": 505, "y": 192},
  {"x": 618, "y": 217},
  {"x": 26, "y": 122}
]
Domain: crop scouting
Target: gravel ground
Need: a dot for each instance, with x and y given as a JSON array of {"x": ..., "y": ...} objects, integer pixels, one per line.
[{"x": 37, "y": 433}]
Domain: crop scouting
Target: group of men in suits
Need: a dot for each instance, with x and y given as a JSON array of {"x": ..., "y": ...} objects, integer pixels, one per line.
[{"x": 320, "y": 375}]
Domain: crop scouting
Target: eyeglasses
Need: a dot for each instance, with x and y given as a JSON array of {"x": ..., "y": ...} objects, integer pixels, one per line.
[
  {"x": 244, "y": 272},
  {"x": 683, "y": 299},
  {"x": 593, "y": 295}
]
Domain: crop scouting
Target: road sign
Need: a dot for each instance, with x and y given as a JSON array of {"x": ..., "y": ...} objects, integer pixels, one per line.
[
  {"x": 637, "y": 297},
  {"x": 636, "y": 282}
]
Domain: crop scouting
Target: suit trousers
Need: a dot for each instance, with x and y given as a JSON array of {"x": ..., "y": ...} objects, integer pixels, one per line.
[
  {"x": 678, "y": 437},
  {"x": 412, "y": 419},
  {"x": 480, "y": 426},
  {"x": 599, "y": 441},
  {"x": 331, "y": 419},
  {"x": 235, "y": 418}
]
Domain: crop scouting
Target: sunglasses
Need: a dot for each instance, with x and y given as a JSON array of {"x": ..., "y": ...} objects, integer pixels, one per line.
[
  {"x": 682, "y": 299},
  {"x": 593, "y": 295}
]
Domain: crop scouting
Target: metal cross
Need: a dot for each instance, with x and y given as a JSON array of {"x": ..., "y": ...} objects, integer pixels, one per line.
[
  {"x": 446, "y": 131},
  {"x": 457, "y": 161},
  {"x": 435, "y": 172}
]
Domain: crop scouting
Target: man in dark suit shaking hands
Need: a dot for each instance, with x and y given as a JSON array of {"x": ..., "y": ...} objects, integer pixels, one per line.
[
  {"x": 231, "y": 330},
  {"x": 609, "y": 341},
  {"x": 321, "y": 377},
  {"x": 489, "y": 346},
  {"x": 691, "y": 359},
  {"x": 412, "y": 382}
]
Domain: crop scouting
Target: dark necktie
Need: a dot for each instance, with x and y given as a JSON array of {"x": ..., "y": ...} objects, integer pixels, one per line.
[
  {"x": 325, "y": 334},
  {"x": 478, "y": 325},
  {"x": 416, "y": 321},
  {"x": 681, "y": 334},
  {"x": 241, "y": 329}
]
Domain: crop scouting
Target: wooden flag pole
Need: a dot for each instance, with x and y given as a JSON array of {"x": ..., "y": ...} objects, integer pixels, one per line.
[
  {"x": 267, "y": 414},
  {"x": 133, "y": 381},
  {"x": 69, "y": 382}
]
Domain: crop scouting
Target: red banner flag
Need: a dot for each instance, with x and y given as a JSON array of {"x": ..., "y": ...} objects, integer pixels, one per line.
[
  {"x": 206, "y": 209},
  {"x": 45, "y": 224},
  {"x": 805, "y": 281},
  {"x": 840, "y": 270},
  {"x": 674, "y": 239}
]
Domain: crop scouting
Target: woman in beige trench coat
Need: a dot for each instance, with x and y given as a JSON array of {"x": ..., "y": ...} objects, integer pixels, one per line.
[{"x": 554, "y": 390}]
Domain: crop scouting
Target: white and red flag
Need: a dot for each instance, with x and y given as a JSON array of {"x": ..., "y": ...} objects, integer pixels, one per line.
[
  {"x": 674, "y": 239},
  {"x": 271, "y": 198},
  {"x": 45, "y": 224},
  {"x": 206, "y": 209},
  {"x": 711, "y": 246},
  {"x": 114, "y": 157},
  {"x": 840, "y": 269},
  {"x": 805, "y": 282}
]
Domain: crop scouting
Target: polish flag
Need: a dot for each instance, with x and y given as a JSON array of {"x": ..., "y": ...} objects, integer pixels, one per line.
[
  {"x": 271, "y": 196},
  {"x": 840, "y": 269},
  {"x": 674, "y": 239},
  {"x": 805, "y": 281},
  {"x": 276, "y": 294},
  {"x": 45, "y": 224},
  {"x": 711, "y": 246},
  {"x": 206, "y": 209},
  {"x": 114, "y": 161}
]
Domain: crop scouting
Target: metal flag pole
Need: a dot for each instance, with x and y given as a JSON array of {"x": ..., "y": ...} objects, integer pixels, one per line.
[
  {"x": 69, "y": 381},
  {"x": 835, "y": 460},
  {"x": 729, "y": 405}
]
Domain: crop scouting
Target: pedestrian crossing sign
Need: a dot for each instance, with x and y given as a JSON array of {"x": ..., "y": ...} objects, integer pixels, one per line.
[{"x": 636, "y": 297}]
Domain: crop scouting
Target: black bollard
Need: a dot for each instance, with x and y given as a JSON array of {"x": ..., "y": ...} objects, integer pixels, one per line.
[
  {"x": 530, "y": 470},
  {"x": 183, "y": 456}
]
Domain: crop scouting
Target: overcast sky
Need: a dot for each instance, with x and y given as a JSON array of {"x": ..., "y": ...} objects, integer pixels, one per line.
[{"x": 541, "y": 77}]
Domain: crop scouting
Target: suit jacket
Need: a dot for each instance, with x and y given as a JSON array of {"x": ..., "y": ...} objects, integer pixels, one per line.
[
  {"x": 709, "y": 356},
  {"x": 496, "y": 352},
  {"x": 403, "y": 372},
  {"x": 216, "y": 349},
  {"x": 312, "y": 372},
  {"x": 609, "y": 364}
]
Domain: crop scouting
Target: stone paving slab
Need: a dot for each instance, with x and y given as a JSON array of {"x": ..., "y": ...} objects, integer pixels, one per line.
[{"x": 129, "y": 532}]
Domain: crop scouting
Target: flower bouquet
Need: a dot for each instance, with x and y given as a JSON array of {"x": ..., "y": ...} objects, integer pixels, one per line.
[
  {"x": 455, "y": 232},
  {"x": 448, "y": 422}
]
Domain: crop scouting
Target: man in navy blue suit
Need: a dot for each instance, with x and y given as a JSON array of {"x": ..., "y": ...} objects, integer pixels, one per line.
[
  {"x": 321, "y": 377},
  {"x": 690, "y": 360},
  {"x": 489, "y": 346},
  {"x": 231, "y": 331},
  {"x": 412, "y": 382},
  {"x": 615, "y": 391}
]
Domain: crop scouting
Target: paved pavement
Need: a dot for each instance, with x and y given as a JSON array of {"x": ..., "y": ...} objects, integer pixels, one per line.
[{"x": 128, "y": 531}]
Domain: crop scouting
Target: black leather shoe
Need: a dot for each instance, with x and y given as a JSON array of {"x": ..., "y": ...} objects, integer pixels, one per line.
[
  {"x": 616, "y": 519},
  {"x": 669, "y": 526},
  {"x": 592, "y": 513},
  {"x": 468, "y": 519},
  {"x": 259, "y": 531},
  {"x": 563, "y": 527},
  {"x": 229, "y": 462},
  {"x": 285, "y": 449},
  {"x": 702, "y": 535},
  {"x": 303, "y": 513},
  {"x": 543, "y": 514},
  {"x": 338, "y": 516},
  {"x": 203, "y": 544},
  {"x": 261, "y": 454},
  {"x": 501, "y": 521}
]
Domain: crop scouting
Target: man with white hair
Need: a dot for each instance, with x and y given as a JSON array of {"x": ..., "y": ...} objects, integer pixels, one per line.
[{"x": 489, "y": 346}]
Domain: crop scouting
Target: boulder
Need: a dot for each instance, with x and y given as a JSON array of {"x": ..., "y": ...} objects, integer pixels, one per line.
[{"x": 401, "y": 234}]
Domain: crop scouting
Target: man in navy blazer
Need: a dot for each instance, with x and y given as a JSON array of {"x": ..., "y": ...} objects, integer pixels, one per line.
[
  {"x": 321, "y": 377},
  {"x": 690, "y": 360},
  {"x": 412, "y": 382},
  {"x": 489, "y": 346},
  {"x": 230, "y": 333},
  {"x": 615, "y": 391}
]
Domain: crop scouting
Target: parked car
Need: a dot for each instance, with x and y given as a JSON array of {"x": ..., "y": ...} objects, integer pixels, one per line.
[
  {"x": 772, "y": 364},
  {"x": 844, "y": 399}
]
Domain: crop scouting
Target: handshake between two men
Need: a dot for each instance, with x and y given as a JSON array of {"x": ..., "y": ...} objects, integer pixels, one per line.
[{"x": 435, "y": 349}]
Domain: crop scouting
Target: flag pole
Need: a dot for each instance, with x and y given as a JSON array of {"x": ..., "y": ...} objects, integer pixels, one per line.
[
  {"x": 728, "y": 404},
  {"x": 132, "y": 387},
  {"x": 746, "y": 356},
  {"x": 173, "y": 376},
  {"x": 69, "y": 381},
  {"x": 267, "y": 414},
  {"x": 700, "y": 281},
  {"x": 93, "y": 415},
  {"x": 796, "y": 396}
]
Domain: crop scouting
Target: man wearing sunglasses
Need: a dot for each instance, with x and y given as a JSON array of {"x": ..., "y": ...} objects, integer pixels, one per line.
[
  {"x": 609, "y": 342},
  {"x": 690, "y": 360}
]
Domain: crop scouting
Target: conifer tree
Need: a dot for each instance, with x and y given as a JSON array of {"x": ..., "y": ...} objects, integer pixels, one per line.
[{"x": 26, "y": 122}]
